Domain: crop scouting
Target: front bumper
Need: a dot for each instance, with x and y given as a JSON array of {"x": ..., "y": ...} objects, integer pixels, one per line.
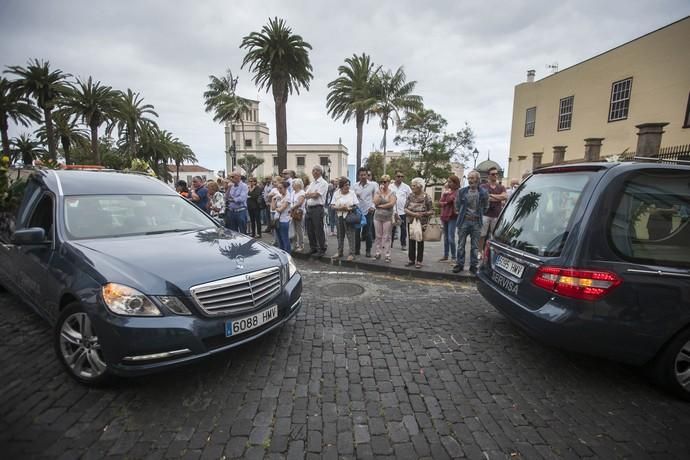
[{"x": 136, "y": 345}]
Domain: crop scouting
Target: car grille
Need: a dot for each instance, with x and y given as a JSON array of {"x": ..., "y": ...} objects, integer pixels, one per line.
[{"x": 238, "y": 294}]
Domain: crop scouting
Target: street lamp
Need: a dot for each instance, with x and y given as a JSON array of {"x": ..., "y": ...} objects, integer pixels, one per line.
[
  {"x": 475, "y": 155},
  {"x": 232, "y": 151},
  {"x": 328, "y": 171}
]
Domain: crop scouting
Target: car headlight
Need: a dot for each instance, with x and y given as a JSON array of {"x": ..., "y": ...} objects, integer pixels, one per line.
[
  {"x": 292, "y": 268},
  {"x": 124, "y": 300}
]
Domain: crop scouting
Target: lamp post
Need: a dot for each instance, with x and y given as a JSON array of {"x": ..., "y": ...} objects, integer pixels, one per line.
[
  {"x": 475, "y": 155},
  {"x": 328, "y": 171},
  {"x": 232, "y": 151}
]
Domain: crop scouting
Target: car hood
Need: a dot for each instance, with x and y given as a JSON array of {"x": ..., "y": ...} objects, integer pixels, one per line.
[{"x": 173, "y": 262}]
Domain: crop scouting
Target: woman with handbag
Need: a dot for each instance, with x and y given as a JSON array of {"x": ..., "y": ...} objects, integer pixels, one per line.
[
  {"x": 449, "y": 217},
  {"x": 384, "y": 202},
  {"x": 282, "y": 208},
  {"x": 297, "y": 211},
  {"x": 344, "y": 204},
  {"x": 418, "y": 209}
]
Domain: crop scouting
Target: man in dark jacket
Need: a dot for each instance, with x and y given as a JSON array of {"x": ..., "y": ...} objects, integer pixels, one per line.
[{"x": 471, "y": 203}]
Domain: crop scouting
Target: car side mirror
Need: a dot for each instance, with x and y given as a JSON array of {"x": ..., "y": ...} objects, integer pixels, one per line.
[{"x": 30, "y": 236}]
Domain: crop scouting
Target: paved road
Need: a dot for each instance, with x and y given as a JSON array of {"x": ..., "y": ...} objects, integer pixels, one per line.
[{"x": 406, "y": 369}]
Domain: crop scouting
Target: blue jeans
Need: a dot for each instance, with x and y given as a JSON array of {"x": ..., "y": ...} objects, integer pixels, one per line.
[
  {"x": 236, "y": 220},
  {"x": 284, "y": 236},
  {"x": 473, "y": 228},
  {"x": 449, "y": 238}
]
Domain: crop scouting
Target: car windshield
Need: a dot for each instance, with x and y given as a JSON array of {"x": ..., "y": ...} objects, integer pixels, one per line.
[
  {"x": 109, "y": 216},
  {"x": 537, "y": 219}
]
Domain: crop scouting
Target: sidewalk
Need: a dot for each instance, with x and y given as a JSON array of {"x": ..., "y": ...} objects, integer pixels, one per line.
[{"x": 432, "y": 268}]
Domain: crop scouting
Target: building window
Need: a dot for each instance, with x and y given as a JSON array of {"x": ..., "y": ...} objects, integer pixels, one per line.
[
  {"x": 686, "y": 124},
  {"x": 565, "y": 113},
  {"x": 323, "y": 161},
  {"x": 438, "y": 191},
  {"x": 247, "y": 142},
  {"x": 301, "y": 161},
  {"x": 620, "y": 99},
  {"x": 530, "y": 120}
]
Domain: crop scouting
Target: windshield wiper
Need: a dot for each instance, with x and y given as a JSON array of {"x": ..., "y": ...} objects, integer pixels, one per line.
[{"x": 171, "y": 230}]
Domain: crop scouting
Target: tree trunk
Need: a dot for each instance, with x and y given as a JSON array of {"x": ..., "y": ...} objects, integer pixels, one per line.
[
  {"x": 5, "y": 138},
  {"x": 280, "y": 99},
  {"x": 52, "y": 151},
  {"x": 360, "y": 129},
  {"x": 177, "y": 172},
  {"x": 94, "y": 144},
  {"x": 65, "y": 148},
  {"x": 385, "y": 130}
]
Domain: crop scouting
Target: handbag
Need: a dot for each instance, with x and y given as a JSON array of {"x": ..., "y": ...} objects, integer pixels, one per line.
[
  {"x": 297, "y": 214},
  {"x": 416, "y": 232},
  {"x": 352, "y": 217},
  {"x": 432, "y": 232}
]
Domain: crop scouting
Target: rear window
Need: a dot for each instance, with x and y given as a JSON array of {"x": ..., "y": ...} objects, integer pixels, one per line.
[
  {"x": 652, "y": 220},
  {"x": 538, "y": 217}
]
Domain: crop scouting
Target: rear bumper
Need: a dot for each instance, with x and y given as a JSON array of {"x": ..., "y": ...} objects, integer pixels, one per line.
[
  {"x": 572, "y": 325},
  {"x": 138, "y": 346}
]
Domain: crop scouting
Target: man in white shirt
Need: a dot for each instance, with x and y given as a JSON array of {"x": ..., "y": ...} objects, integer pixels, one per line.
[
  {"x": 365, "y": 191},
  {"x": 316, "y": 198},
  {"x": 402, "y": 191}
]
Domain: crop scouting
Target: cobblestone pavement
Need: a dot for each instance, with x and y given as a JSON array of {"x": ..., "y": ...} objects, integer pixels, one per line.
[{"x": 406, "y": 369}]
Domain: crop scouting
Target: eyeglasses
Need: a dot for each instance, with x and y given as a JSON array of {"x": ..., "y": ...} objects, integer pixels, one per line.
[{"x": 385, "y": 181}]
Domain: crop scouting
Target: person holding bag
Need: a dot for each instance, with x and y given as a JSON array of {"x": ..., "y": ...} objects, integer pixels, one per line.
[
  {"x": 297, "y": 212},
  {"x": 418, "y": 209},
  {"x": 344, "y": 202},
  {"x": 282, "y": 207},
  {"x": 384, "y": 202}
]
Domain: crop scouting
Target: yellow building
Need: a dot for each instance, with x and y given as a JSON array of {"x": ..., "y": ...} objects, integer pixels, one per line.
[{"x": 604, "y": 99}]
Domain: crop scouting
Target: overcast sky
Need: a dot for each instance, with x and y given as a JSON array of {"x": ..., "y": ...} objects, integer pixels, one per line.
[{"x": 466, "y": 56}]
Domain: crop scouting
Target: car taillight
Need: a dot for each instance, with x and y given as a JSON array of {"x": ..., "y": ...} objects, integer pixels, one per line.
[{"x": 576, "y": 283}]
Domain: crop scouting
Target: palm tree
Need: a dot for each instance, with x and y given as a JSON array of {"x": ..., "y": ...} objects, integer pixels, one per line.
[
  {"x": 131, "y": 120},
  {"x": 95, "y": 104},
  {"x": 393, "y": 95},
  {"x": 179, "y": 154},
  {"x": 68, "y": 131},
  {"x": 279, "y": 60},
  {"x": 26, "y": 148},
  {"x": 352, "y": 96},
  {"x": 47, "y": 87},
  {"x": 15, "y": 106},
  {"x": 220, "y": 98}
]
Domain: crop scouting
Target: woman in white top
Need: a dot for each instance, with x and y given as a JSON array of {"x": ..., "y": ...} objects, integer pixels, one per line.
[
  {"x": 298, "y": 202},
  {"x": 344, "y": 201},
  {"x": 282, "y": 208},
  {"x": 216, "y": 200}
]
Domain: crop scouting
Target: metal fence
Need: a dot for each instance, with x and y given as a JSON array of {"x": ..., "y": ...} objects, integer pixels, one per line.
[{"x": 671, "y": 154}]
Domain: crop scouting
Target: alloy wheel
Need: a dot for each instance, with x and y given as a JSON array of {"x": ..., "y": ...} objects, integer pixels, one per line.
[
  {"x": 80, "y": 348},
  {"x": 682, "y": 366}
]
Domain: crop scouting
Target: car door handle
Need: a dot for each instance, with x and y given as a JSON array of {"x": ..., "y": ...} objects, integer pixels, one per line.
[{"x": 659, "y": 273}]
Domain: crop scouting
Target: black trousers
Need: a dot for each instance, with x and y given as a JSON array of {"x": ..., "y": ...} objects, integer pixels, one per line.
[
  {"x": 317, "y": 237},
  {"x": 415, "y": 251},
  {"x": 255, "y": 221}
]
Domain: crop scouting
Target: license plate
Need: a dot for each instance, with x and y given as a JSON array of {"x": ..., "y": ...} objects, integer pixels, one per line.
[
  {"x": 504, "y": 283},
  {"x": 240, "y": 326},
  {"x": 509, "y": 266}
]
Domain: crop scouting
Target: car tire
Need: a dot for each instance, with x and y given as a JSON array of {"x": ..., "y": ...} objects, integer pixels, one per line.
[
  {"x": 78, "y": 348},
  {"x": 672, "y": 367}
]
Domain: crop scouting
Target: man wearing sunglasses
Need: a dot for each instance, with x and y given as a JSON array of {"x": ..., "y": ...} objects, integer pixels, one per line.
[{"x": 497, "y": 196}]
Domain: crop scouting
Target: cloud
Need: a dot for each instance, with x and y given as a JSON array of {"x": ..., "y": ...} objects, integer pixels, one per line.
[{"x": 466, "y": 56}]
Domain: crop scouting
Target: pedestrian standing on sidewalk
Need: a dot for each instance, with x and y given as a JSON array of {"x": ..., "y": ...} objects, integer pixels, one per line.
[
  {"x": 254, "y": 198},
  {"x": 384, "y": 202},
  {"x": 471, "y": 203},
  {"x": 216, "y": 201},
  {"x": 402, "y": 191},
  {"x": 329, "y": 201},
  {"x": 418, "y": 207},
  {"x": 282, "y": 208},
  {"x": 449, "y": 217},
  {"x": 497, "y": 196},
  {"x": 297, "y": 211},
  {"x": 365, "y": 191},
  {"x": 344, "y": 201},
  {"x": 236, "y": 203},
  {"x": 316, "y": 197},
  {"x": 266, "y": 217}
]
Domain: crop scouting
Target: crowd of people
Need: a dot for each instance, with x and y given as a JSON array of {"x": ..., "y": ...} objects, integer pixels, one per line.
[{"x": 370, "y": 213}]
